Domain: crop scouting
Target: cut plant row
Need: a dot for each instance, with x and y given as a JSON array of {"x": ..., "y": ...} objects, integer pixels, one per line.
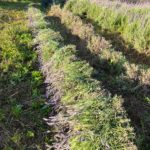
[
  {"x": 85, "y": 112},
  {"x": 114, "y": 70},
  {"x": 22, "y": 102}
]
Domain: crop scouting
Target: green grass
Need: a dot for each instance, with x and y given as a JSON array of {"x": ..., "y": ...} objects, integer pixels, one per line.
[
  {"x": 103, "y": 95},
  {"x": 113, "y": 69},
  {"x": 21, "y": 97},
  {"x": 132, "y": 23},
  {"x": 94, "y": 115}
]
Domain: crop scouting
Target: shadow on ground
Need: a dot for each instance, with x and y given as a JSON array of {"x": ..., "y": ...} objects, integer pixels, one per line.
[
  {"x": 17, "y": 5},
  {"x": 137, "y": 107},
  {"x": 14, "y": 5}
]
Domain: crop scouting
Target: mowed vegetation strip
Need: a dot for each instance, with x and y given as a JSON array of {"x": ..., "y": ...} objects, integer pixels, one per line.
[
  {"x": 93, "y": 115},
  {"x": 21, "y": 93},
  {"x": 114, "y": 70},
  {"x": 127, "y": 27}
]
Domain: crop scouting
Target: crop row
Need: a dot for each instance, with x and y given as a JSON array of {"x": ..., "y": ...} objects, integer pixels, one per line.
[
  {"x": 117, "y": 73},
  {"x": 94, "y": 115}
]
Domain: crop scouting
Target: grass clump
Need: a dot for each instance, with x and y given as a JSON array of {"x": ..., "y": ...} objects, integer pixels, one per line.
[{"x": 93, "y": 114}]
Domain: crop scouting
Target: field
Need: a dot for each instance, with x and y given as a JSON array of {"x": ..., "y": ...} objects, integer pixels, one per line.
[
  {"x": 21, "y": 93},
  {"x": 75, "y": 75}
]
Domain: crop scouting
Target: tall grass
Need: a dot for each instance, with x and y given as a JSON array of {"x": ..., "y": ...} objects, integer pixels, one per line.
[
  {"x": 132, "y": 23},
  {"x": 95, "y": 43}
]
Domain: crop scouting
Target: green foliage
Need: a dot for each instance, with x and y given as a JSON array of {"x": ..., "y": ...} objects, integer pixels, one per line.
[
  {"x": 47, "y": 38},
  {"x": 147, "y": 99},
  {"x": 16, "y": 111},
  {"x": 132, "y": 23},
  {"x": 15, "y": 51},
  {"x": 36, "y": 78},
  {"x": 98, "y": 117},
  {"x": 118, "y": 70},
  {"x": 21, "y": 109},
  {"x": 37, "y": 18},
  {"x": 16, "y": 138},
  {"x": 30, "y": 134}
]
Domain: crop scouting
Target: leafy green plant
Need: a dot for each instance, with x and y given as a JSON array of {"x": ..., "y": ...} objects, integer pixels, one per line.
[
  {"x": 30, "y": 134},
  {"x": 16, "y": 111},
  {"x": 16, "y": 138},
  {"x": 36, "y": 78}
]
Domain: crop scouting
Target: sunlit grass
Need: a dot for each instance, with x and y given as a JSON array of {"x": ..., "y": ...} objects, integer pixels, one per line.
[
  {"x": 131, "y": 22},
  {"x": 21, "y": 100},
  {"x": 94, "y": 115}
]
